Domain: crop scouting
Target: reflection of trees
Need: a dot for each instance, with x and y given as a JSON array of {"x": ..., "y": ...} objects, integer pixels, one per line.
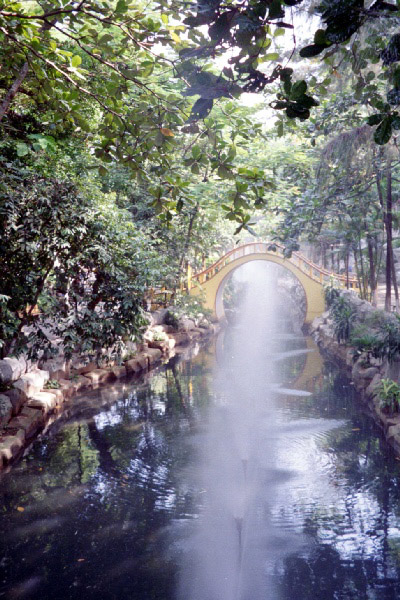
[
  {"x": 361, "y": 560},
  {"x": 107, "y": 489},
  {"x": 110, "y": 487},
  {"x": 106, "y": 460},
  {"x": 322, "y": 574}
]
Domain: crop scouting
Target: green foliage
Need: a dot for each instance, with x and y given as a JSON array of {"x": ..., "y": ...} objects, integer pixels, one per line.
[
  {"x": 331, "y": 294},
  {"x": 366, "y": 342},
  {"x": 160, "y": 336},
  {"x": 149, "y": 180},
  {"x": 342, "y": 313},
  {"x": 186, "y": 306},
  {"x": 72, "y": 61},
  {"x": 172, "y": 318},
  {"x": 391, "y": 340},
  {"x": 83, "y": 264},
  {"x": 52, "y": 384},
  {"x": 234, "y": 293},
  {"x": 389, "y": 395},
  {"x": 382, "y": 342},
  {"x": 251, "y": 29}
]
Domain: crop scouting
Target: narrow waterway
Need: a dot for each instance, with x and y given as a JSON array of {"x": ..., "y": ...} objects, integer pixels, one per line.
[{"x": 247, "y": 472}]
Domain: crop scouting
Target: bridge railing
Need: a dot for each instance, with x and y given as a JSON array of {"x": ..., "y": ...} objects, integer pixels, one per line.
[
  {"x": 305, "y": 265},
  {"x": 156, "y": 298}
]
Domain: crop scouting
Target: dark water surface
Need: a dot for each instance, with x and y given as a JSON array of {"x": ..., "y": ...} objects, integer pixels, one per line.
[{"x": 111, "y": 505}]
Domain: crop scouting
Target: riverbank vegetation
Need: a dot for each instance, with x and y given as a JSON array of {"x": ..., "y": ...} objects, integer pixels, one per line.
[{"x": 131, "y": 150}]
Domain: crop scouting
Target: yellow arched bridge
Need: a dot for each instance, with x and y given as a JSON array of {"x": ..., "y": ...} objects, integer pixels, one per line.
[{"x": 211, "y": 281}]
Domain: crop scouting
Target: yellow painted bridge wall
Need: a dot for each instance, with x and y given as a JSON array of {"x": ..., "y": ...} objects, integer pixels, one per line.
[{"x": 213, "y": 287}]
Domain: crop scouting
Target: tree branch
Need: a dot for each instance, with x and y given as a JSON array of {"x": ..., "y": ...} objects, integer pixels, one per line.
[
  {"x": 5, "y": 105},
  {"x": 64, "y": 74}
]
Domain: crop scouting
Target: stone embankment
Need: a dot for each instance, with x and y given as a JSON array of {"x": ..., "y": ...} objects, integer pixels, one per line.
[
  {"x": 32, "y": 394},
  {"x": 365, "y": 372}
]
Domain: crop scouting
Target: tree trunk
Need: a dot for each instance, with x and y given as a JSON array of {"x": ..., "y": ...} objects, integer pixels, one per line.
[
  {"x": 394, "y": 278},
  {"x": 387, "y": 220},
  {"x": 8, "y": 98},
  {"x": 372, "y": 272},
  {"x": 389, "y": 236},
  {"x": 187, "y": 241},
  {"x": 358, "y": 274},
  {"x": 5, "y": 105},
  {"x": 323, "y": 252},
  {"x": 364, "y": 281}
]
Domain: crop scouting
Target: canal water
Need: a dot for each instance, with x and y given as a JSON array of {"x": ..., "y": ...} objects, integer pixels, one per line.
[{"x": 247, "y": 471}]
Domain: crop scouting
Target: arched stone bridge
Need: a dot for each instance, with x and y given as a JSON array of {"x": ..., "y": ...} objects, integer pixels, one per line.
[{"x": 211, "y": 281}]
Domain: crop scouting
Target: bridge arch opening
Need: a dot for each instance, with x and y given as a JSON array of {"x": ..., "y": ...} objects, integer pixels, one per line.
[
  {"x": 312, "y": 277},
  {"x": 288, "y": 290}
]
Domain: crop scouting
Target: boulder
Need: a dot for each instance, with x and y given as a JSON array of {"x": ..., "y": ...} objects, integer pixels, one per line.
[
  {"x": 45, "y": 401},
  {"x": 119, "y": 371},
  {"x": 167, "y": 328},
  {"x": 11, "y": 369},
  {"x": 6, "y": 373},
  {"x": 372, "y": 388},
  {"x": 67, "y": 387},
  {"x": 58, "y": 368},
  {"x": 181, "y": 338},
  {"x": 131, "y": 347},
  {"x": 32, "y": 382},
  {"x": 16, "y": 398},
  {"x": 10, "y": 446},
  {"x": 30, "y": 421},
  {"x": 5, "y": 410},
  {"x": 92, "y": 366},
  {"x": 59, "y": 394},
  {"x": 154, "y": 354},
  {"x": 161, "y": 345},
  {"x": 157, "y": 317},
  {"x": 316, "y": 324},
  {"x": 198, "y": 331},
  {"x": 393, "y": 431},
  {"x": 98, "y": 376},
  {"x": 350, "y": 357},
  {"x": 133, "y": 366},
  {"x": 82, "y": 382},
  {"x": 143, "y": 361},
  {"x": 186, "y": 324},
  {"x": 362, "y": 374}
]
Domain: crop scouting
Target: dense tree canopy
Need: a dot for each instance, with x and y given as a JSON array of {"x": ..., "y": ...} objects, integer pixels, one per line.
[{"x": 127, "y": 153}]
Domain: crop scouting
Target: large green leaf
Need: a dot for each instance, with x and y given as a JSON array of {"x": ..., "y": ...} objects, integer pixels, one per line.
[
  {"x": 312, "y": 50},
  {"x": 383, "y": 132}
]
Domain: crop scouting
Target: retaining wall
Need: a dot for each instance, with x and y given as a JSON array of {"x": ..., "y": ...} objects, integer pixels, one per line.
[
  {"x": 28, "y": 403},
  {"x": 365, "y": 373}
]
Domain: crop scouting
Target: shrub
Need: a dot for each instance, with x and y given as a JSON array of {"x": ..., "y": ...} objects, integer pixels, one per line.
[
  {"x": 52, "y": 384},
  {"x": 160, "y": 336},
  {"x": 171, "y": 318},
  {"x": 367, "y": 343},
  {"x": 331, "y": 294},
  {"x": 342, "y": 313},
  {"x": 389, "y": 395},
  {"x": 186, "y": 306},
  {"x": 391, "y": 340},
  {"x": 376, "y": 319}
]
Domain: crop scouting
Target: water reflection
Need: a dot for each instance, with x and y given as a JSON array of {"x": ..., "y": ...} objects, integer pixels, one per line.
[
  {"x": 252, "y": 460},
  {"x": 159, "y": 492}
]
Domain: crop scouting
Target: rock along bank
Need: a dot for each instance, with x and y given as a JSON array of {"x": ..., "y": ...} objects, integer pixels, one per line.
[
  {"x": 33, "y": 395},
  {"x": 362, "y": 340}
]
